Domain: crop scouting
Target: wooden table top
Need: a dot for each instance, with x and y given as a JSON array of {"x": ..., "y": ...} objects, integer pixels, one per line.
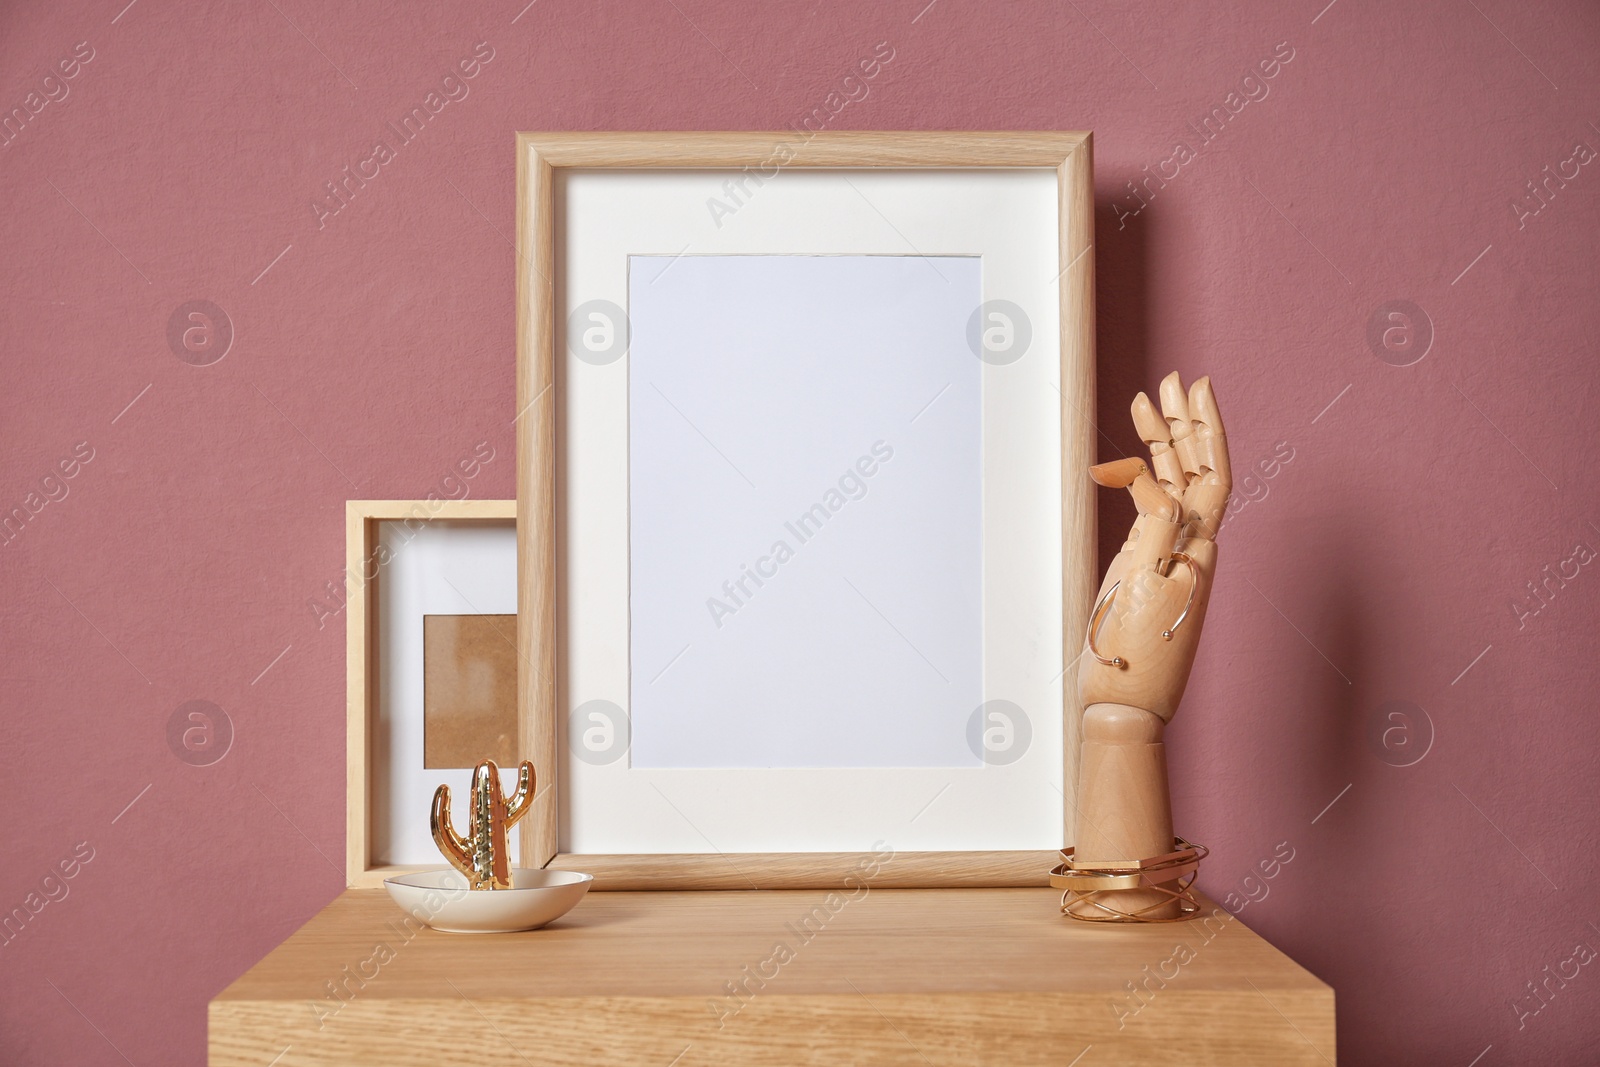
[{"x": 802, "y": 976}]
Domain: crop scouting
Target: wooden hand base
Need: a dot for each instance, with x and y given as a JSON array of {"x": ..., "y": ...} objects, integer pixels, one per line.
[{"x": 1124, "y": 809}]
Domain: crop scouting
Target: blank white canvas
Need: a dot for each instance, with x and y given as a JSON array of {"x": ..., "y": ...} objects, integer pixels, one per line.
[{"x": 805, "y": 511}]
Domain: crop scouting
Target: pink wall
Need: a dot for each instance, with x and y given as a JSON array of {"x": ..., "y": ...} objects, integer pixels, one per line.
[{"x": 1385, "y": 561}]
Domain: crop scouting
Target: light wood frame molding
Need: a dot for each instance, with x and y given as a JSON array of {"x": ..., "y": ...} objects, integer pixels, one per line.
[
  {"x": 539, "y": 156},
  {"x": 361, "y": 519}
]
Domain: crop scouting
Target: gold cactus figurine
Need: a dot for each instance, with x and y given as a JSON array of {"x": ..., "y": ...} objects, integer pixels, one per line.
[{"x": 482, "y": 854}]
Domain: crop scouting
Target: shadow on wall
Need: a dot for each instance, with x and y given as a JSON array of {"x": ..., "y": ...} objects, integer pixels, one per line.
[
  {"x": 1123, "y": 359},
  {"x": 1329, "y": 922}
]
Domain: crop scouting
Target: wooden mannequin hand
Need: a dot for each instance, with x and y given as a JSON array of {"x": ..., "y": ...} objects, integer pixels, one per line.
[{"x": 1143, "y": 636}]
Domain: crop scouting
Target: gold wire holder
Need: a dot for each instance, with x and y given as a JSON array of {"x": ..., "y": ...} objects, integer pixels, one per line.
[
  {"x": 1092, "y": 883},
  {"x": 1102, "y": 608}
]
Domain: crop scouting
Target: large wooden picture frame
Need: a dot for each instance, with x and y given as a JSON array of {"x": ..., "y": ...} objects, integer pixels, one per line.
[{"x": 539, "y": 158}]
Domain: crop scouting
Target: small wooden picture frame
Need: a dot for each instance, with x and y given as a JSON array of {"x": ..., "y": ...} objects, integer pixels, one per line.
[{"x": 481, "y": 665}]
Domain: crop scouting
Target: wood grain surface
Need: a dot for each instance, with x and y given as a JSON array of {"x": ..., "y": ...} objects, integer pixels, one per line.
[{"x": 878, "y": 976}]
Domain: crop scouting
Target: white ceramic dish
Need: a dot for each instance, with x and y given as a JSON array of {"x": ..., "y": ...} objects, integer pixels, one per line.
[{"x": 442, "y": 900}]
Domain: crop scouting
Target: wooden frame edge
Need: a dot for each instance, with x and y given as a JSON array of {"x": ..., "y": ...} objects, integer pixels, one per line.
[
  {"x": 360, "y": 527},
  {"x": 1078, "y": 515},
  {"x": 536, "y": 565},
  {"x": 815, "y": 870},
  {"x": 842, "y": 148},
  {"x": 358, "y": 687},
  {"x": 539, "y": 154}
]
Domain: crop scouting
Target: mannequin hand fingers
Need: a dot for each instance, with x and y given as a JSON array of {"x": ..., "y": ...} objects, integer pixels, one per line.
[
  {"x": 1154, "y": 501},
  {"x": 1207, "y": 496},
  {"x": 1159, "y": 524},
  {"x": 1157, "y": 435},
  {"x": 1209, "y": 440},
  {"x": 1119, "y": 473},
  {"x": 1203, "y": 507},
  {"x": 1160, "y": 515},
  {"x": 1175, "y": 409},
  {"x": 1134, "y": 475}
]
